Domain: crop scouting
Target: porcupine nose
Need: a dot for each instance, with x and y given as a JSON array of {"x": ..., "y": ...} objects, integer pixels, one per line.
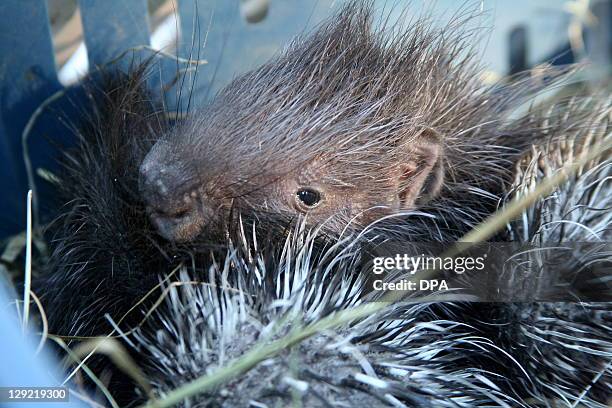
[
  {"x": 165, "y": 181},
  {"x": 154, "y": 183},
  {"x": 157, "y": 177},
  {"x": 168, "y": 187}
]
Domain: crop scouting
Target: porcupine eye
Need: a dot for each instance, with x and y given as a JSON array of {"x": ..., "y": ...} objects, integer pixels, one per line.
[{"x": 308, "y": 197}]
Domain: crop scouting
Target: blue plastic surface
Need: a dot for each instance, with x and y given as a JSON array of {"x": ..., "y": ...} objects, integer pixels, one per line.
[
  {"x": 111, "y": 27},
  {"x": 27, "y": 78}
]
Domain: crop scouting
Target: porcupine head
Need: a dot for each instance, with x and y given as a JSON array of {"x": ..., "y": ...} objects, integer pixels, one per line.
[{"x": 346, "y": 125}]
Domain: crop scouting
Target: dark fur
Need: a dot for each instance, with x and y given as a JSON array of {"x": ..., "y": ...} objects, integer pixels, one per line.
[{"x": 101, "y": 243}]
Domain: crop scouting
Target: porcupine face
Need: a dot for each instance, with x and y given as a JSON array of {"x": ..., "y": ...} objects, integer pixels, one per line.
[{"x": 348, "y": 123}]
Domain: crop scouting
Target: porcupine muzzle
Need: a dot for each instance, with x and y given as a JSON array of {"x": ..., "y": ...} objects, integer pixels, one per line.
[{"x": 170, "y": 189}]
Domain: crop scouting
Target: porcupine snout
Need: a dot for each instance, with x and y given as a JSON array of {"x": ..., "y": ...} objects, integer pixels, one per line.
[
  {"x": 170, "y": 190},
  {"x": 156, "y": 178}
]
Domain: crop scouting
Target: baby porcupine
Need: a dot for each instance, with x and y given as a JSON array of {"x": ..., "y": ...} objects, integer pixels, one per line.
[
  {"x": 353, "y": 122},
  {"x": 370, "y": 124}
]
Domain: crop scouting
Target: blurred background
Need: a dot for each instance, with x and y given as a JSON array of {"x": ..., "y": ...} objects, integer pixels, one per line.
[{"x": 236, "y": 43}]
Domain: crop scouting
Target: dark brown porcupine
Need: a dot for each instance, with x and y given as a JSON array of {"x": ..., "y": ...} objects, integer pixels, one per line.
[
  {"x": 358, "y": 96},
  {"x": 367, "y": 116},
  {"x": 358, "y": 120}
]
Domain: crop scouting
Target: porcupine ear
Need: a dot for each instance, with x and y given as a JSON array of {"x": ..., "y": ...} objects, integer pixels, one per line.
[{"x": 421, "y": 176}]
